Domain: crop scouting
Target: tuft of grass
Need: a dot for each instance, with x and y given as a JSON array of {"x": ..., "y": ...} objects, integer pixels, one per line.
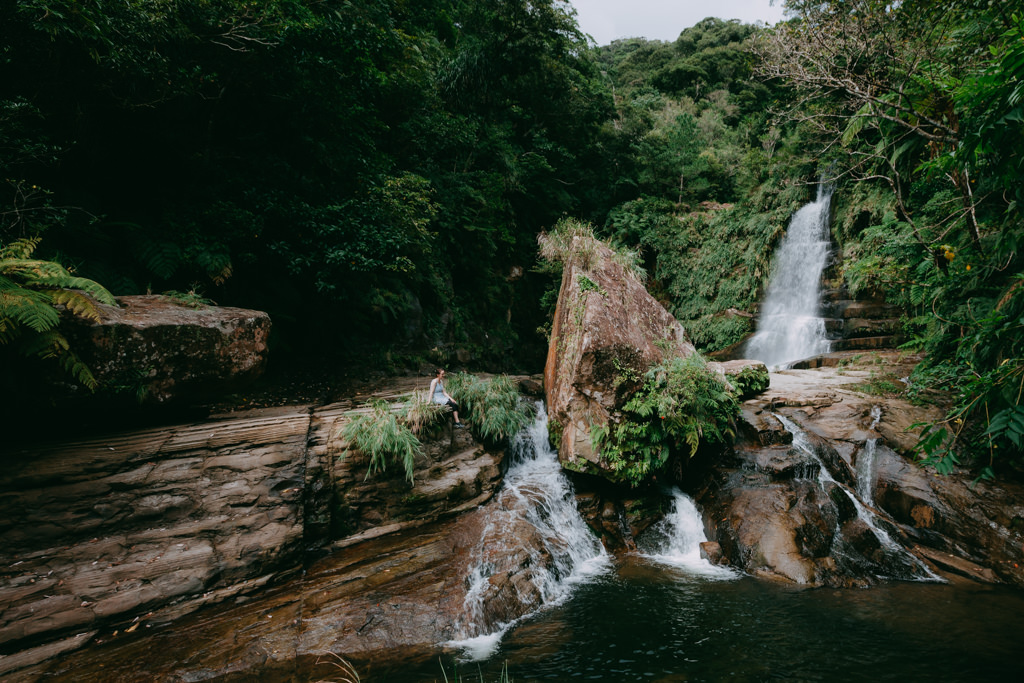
[
  {"x": 346, "y": 671},
  {"x": 193, "y": 298},
  {"x": 421, "y": 414},
  {"x": 493, "y": 407},
  {"x": 573, "y": 241},
  {"x": 382, "y": 438},
  {"x": 503, "y": 677},
  {"x": 570, "y": 241}
]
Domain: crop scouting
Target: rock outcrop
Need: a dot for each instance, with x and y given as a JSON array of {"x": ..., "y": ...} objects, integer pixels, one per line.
[
  {"x": 147, "y": 526},
  {"x": 607, "y": 332},
  {"x": 773, "y": 515},
  {"x": 157, "y": 348}
]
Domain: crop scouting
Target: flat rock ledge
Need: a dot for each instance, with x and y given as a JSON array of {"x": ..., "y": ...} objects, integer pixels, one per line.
[{"x": 122, "y": 533}]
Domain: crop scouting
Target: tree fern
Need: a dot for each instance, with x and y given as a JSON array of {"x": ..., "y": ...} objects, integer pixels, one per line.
[{"x": 30, "y": 291}]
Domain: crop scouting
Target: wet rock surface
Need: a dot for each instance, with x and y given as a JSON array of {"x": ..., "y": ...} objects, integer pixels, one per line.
[
  {"x": 144, "y": 527},
  {"x": 772, "y": 516}
]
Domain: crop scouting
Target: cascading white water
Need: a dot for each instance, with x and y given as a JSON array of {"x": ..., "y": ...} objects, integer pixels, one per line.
[
  {"x": 865, "y": 469},
  {"x": 917, "y": 569},
  {"x": 676, "y": 540},
  {"x": 790, "y": 326},
  {"x": 535, "y": 491}
]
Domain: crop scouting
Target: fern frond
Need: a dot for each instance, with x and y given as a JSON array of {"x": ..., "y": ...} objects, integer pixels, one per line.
[
  {"x": 28, "y": 307},
  {"x": 217, "y": 265},
  {"x": 79, "y": 370},
  {"x": 90, "y": 287},
  {"x": 77, "y": 303},
  {"x": 48, "y": 344},
  {"x": 19, "y": 249},
  {"x": 162, "y": 258}
]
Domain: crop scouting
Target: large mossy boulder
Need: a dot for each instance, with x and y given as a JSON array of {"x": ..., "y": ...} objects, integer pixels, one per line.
[
  {"x": 157, "y": 348},
  {"x": 608, "y": 331}
]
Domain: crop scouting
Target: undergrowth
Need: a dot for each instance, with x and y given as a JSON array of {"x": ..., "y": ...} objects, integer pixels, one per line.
[
  {"x": 493, "y": 407},
  {"x": 681, "y": 406}
]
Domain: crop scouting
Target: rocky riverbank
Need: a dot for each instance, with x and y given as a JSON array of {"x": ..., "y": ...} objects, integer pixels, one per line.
[{"x": 171, "y": 552}]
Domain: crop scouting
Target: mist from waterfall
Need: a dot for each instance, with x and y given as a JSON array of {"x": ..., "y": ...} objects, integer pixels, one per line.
[{"x": 790, "y": 326}]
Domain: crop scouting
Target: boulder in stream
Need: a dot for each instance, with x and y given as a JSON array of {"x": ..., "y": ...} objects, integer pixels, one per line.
[{"x": 607, "y": 332}]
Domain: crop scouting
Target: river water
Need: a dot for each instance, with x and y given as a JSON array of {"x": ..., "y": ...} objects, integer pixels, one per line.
[{"x": 646, "y": 621}]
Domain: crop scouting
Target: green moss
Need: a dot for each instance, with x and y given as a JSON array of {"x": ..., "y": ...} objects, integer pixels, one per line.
[{"x": 555, "y": 433}]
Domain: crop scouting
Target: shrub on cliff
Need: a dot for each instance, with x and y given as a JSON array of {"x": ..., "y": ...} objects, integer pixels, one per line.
[{"x": 681, "y": 406}]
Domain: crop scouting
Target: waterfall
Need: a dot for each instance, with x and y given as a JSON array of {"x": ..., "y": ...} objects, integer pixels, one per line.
[
  {"x": 676, "y": 539},
  {"x": 790, "y": 326},
  {"x": 865, "y": 469},
  {"x": 536, "y": 493},
  {"x": 902, "y": 564}
]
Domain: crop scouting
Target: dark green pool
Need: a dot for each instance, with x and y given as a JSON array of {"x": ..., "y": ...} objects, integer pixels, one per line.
[{"x": 645, "y": 622}]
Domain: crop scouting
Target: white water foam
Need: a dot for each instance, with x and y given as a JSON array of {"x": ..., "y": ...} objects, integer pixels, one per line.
[
  {"x": 678, "y": 538},
  {"x": 920, "y": 570},
  {"x": 536, "y": 491},
  {"x": 865, "y": 469},
  {"x": 790, "y": 327}
]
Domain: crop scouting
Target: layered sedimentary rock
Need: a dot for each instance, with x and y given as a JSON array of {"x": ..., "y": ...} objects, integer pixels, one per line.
[{"x": 143, "y": 527}]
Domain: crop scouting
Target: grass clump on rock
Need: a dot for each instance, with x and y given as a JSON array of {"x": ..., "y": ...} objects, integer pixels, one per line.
[
  {"x": 390, "y": 434},
  {"x": 493, "y": 407},
  {"x": 383, "y": 438}
]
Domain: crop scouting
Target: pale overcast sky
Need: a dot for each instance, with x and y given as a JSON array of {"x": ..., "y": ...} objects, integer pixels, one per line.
[{"x": 607, "y": 20}]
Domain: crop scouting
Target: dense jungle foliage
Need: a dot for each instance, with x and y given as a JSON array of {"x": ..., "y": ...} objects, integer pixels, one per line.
[{"x": 374, "y": 173}]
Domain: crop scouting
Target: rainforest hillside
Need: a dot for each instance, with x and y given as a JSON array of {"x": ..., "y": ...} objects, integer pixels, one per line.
[{"x": 375, "y": 173}]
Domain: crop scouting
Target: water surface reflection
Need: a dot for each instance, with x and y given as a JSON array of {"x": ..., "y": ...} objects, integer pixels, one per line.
[{"x": 648, "y": 622}]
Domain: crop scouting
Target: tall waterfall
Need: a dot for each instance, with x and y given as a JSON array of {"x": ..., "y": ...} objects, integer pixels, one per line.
[
  {"x": 790, "y": 327},
  {"x": 537, "y": 493}
]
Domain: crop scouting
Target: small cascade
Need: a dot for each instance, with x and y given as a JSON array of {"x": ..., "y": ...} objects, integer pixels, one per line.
[
  {"x": 676, "y": 539},
  {"x": 898, "y": 562},
  {"x": 536, "y": 499},
  {"x": 790, "y": 326},
  {"x": 865, "y": 469}
]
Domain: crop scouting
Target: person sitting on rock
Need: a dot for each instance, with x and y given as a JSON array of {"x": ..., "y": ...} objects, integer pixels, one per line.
[{"x": 439, "y": 395}]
